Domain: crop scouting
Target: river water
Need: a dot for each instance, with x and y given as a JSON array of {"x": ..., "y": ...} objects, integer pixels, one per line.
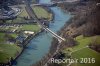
[{"x": 39, "y": 46}]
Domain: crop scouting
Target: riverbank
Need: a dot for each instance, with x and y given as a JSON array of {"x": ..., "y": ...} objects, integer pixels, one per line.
[{"x": 26, "y": 42}]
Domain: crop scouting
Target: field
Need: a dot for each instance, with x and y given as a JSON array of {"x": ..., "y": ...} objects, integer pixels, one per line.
[
  {"x": 42, "y": 13},
  {"x": 14, "y": 35},
  {"x": 87, "y": 53},
  {"x": 83, "y": 51},
  {"x": 7, "y": 51},
  {"x": 34, "y": 28},
  {"x": 2, "y": 38}
]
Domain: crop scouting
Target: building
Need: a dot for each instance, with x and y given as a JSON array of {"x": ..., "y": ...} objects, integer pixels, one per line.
[{"x": 7, "y": 12}]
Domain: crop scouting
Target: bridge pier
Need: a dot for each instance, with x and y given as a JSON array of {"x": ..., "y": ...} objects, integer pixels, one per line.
[{"x": 59, "y": 40}]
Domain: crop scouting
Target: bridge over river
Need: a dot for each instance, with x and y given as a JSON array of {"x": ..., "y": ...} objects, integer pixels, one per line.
[{"x": 33, "y": 16}]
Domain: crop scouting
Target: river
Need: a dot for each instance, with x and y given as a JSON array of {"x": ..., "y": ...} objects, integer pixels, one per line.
[{"x": 39, "y": 45}]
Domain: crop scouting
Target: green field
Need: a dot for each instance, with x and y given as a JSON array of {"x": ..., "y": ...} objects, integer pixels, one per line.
[
  {"x": 7, "y": 51},
  {"x": 2, "y": 37},
  {"x": 82, "y": 42},
  {"x": 34, "y": 28},
  {"x": 24, "y": 13},
  {"x": 87, "y": 53},
  {"x": 42, "y": 13},
  {"x": 81, "y": 50},
  {"x": 14, "y": 35}
]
